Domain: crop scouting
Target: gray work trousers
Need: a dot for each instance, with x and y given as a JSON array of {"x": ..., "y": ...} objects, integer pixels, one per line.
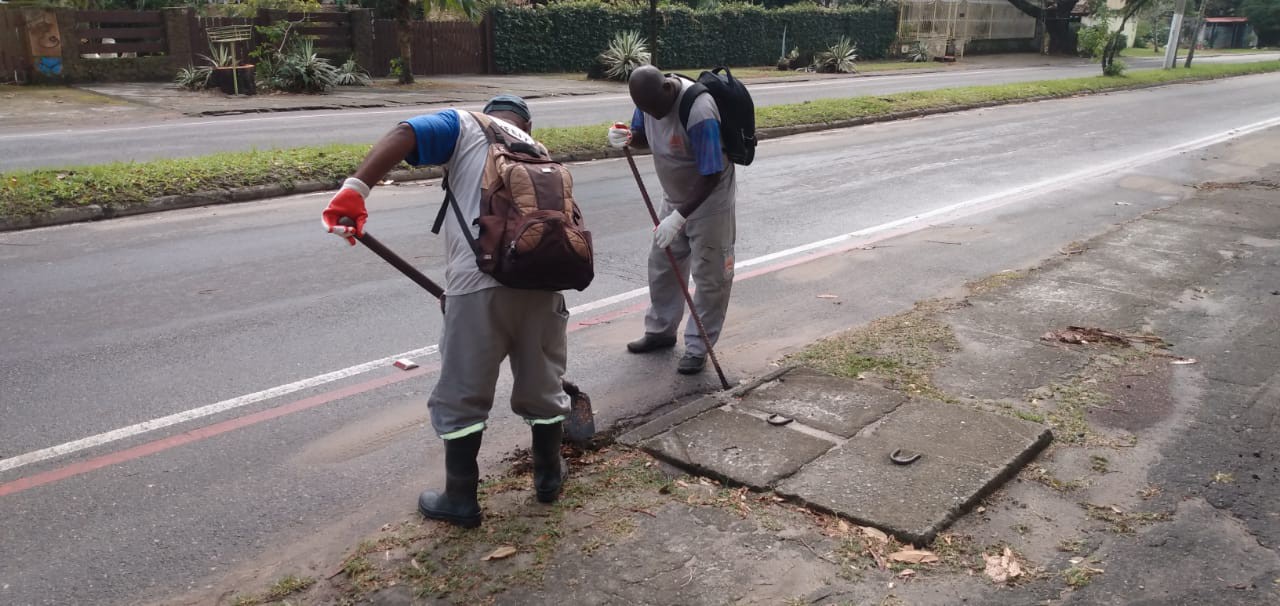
[
  {"x": 480, "y": 330},
  {"x": 705, "y": 248}
]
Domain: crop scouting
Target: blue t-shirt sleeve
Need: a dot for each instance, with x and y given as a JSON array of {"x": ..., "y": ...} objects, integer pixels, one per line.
[
  {"x": 637, "y": 123},
  {"x": 705, "y": 139},
  {"x": 437, "y": 136}
]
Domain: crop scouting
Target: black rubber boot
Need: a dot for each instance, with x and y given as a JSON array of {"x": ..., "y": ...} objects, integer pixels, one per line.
[
  {"x": 651, "y": 342},
  {"x": 549, "y": 468},
  {"x": 457, "y": 505}
]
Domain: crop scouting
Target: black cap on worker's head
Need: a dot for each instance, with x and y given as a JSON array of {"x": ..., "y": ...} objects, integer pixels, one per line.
[{"x": 509, "y": 103}]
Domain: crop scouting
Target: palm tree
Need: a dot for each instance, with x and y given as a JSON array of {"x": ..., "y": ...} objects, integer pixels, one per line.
[{"x": 473, "y": 9}]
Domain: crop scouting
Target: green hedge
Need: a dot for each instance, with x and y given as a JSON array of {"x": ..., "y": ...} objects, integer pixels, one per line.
[{"x": 567, "y": 37}]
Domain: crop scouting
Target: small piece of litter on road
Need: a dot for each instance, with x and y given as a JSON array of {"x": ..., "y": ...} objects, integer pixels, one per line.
[
  {"x": 500, "y": 553},
  {"x": 828, "y": 296},
  {"x": 386, "y": 182},
  {"x": 914, "y": 556},
  {"x": 1122, "y": 204},
  {"x": 1002, "y": 568},
  {"x": 406, "y": 364},
  {"x": 875, "y": 535},
  {"x": 943, "y": 242},
  {"x": 1184, "y": 361}
]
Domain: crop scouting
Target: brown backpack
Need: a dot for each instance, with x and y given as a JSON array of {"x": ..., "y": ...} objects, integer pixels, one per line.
[{"x": 531, "y": 231}]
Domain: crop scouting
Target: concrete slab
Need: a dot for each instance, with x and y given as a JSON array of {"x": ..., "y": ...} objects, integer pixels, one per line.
[
  {"x": 832, "y": 404},
  {"x": 737, "y": 447},
  {"x": 966, "y": 454}
]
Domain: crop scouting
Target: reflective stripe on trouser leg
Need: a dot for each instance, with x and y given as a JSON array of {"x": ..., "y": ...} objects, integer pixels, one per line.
[
  {"x": 666, "y": 302},
  {"x": 711, "y": 240},
  {"x": 471, "y": 351},
  {"x": 536, "y": 322},
  {"x": 464, "y": 432}
]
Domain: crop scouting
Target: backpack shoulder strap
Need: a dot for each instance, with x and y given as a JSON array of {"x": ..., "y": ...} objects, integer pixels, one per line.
[
  {"x": 450, "y": 201},
  {"x": 691, "y": 94}
]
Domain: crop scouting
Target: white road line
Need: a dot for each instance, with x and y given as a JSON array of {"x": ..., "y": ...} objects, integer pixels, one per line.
[{"x": 972, "y": 206}]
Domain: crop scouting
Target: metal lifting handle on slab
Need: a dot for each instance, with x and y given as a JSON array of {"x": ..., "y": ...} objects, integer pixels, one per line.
[{"x": 675, "y": 268}]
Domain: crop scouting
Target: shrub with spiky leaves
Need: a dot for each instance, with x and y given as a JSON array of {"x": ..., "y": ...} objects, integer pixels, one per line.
[
  {"x": 627, "y": 51},
  {"x": 838, "y": 59}
]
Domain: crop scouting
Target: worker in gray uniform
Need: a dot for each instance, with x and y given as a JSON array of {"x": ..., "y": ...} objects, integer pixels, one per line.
[
  {"x": 484, "y": 321},
  {"x": 697, "y": 214}
]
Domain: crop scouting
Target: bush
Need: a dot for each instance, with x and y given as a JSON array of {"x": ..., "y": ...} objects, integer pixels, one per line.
[
  {"x": 301, "y": 70},
  {"x": 627, "y": 51},
  {"x": 194, "y": 78},
  {"x": 1115, "y": 68},
  {"x": 918, "y": 53},
  {"x": 1091, "y": 40},
  {"x": 568, "y": 36},
  {"x": 838, "y": 59}
]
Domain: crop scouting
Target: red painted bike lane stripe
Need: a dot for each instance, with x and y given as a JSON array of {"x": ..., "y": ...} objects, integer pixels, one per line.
[{"x": 201, "y": 433}]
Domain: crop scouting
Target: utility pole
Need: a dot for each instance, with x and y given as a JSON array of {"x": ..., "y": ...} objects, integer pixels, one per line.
[{"x": 1175, "y": 28}]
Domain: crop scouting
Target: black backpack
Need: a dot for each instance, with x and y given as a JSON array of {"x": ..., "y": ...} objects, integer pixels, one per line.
[{"x": 737, "y": 112}]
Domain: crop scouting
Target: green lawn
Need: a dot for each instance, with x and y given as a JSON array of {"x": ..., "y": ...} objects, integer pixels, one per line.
[
  {"x": 1204, "y": 52},
  {"x": 30, "y": 192}
]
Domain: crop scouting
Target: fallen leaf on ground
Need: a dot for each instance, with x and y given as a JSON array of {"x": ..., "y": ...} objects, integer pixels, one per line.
[
  {"x": 1002, "y": 568},
  {"x": 907, "y": 573},
  {"x": 875, "y": 534},
  {"x": 914, "y": 556},
  {"x": 843, "y": 526},
  {"x": 500, "y": 553}
]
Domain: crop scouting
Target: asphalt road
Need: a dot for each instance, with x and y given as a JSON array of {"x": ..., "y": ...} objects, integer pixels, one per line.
[
  {"x": 249, "y": 307},
  {"x": 190, "y": 137}
]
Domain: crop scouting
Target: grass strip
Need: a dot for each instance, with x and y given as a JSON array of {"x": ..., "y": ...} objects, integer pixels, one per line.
[{"x": 29, "y": 193}]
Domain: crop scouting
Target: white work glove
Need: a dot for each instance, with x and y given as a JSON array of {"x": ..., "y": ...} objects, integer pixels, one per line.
[
  {"x": 667, "y": 230},
  {"x": 619, "y": 135}
]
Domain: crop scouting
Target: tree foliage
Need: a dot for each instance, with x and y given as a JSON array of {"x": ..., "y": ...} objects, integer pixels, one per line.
[{"x": 1264, "y": 16}]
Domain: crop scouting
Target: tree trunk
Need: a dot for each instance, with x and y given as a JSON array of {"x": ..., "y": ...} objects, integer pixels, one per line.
[
  {"x": 1112, "y": 49},
  {"x": 404, "y": 35},
  {"x": 653, "y": 32},
  {"x": 1195, "y": 34}
]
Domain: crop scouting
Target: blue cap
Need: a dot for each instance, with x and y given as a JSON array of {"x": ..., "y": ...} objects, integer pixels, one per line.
[{"x": 509, "y": 103}]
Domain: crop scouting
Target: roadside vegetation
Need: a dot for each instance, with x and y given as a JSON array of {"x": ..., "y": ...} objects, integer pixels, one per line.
[{"x": 117, "y": 185}]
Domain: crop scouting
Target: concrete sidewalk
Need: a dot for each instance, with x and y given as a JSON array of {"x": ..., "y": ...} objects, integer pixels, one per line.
[
  {"x": 445, "y": 90},
  {"x": 1161, "y": 486}
]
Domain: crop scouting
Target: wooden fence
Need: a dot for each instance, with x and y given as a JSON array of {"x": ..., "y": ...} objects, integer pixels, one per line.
[
  {"x": 439, "y": 47},
  {"x": 114, "y": 33},
  {"x": 15, "y": 58},
  {"x": 102, "y": 44}
]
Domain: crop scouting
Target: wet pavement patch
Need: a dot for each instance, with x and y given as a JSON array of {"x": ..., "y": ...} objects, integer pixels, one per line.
[{"x": 834, "y": 454}]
